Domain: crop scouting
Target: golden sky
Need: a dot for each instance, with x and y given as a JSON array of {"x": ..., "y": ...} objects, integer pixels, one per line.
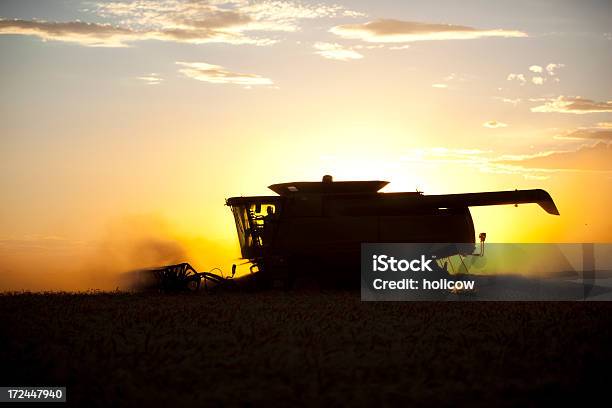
[{"x": 125, "y": 125}]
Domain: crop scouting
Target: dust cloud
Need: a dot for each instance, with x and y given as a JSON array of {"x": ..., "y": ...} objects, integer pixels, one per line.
[{"x": 127, "y": 244}]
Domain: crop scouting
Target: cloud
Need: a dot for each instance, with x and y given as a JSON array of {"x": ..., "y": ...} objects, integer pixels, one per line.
[
  {"x": 459, "y": 77},
  {"x": 599, "y": 134},
  {"x": 590, "y": 158},
  {"x": 476, "y": 158},
  {"x": 551, "y": 68},
  {"x": 195, "y": 22},
  {"x": 398, "y": 31},
  {"x": 374, "y": 46},
  {"x": 336, "y": 52},
  {"x": 540, "y": 166},
  {"x": 517, "y": 77},
  {"x": 493, "y": 124},
  {"x": 513, "y": 102},
  {"x": 216, "y": 74},
  {"x": 106, "y": 35},
  {"x": 445, "y": 82},
  {"x": 539, "y": 78},
  {"x": 573, "y": 104},
  {"x": 151, "y": 79},
  {"x": 214, "y": 14},
  {"x": 535, "y": 68},
  {"x": 89, "y": 34},
  {"x": 602, "y": 131}
]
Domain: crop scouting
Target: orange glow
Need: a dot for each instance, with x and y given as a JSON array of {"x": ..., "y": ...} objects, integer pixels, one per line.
[{"x": 99, "y": 130}]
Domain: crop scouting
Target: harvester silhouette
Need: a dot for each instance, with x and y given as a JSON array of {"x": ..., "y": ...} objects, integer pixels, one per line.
[{"x": 314, "y": 230}]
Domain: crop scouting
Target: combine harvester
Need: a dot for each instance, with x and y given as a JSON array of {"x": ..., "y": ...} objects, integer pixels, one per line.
[{"x": 313, "y": 231}]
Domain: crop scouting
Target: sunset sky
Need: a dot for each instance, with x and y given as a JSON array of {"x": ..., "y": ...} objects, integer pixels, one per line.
[{"x": 131, "y": 122}]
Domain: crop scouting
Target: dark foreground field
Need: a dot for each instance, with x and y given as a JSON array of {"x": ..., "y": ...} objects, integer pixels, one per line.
[{"x": 303, "y": 349}]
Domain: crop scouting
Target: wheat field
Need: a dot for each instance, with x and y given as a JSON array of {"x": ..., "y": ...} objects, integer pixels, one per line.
[{"x": 302, "y": 348}]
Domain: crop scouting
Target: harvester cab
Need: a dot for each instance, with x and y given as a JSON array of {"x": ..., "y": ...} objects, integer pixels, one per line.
[{"x": 256, "y": 223}]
